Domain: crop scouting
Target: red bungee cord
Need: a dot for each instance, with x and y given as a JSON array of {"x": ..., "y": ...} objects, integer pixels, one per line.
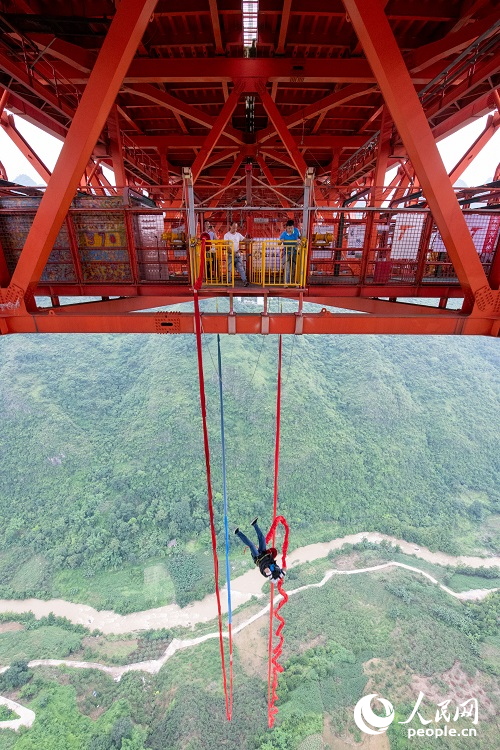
[{"x": 228, "y": 692}]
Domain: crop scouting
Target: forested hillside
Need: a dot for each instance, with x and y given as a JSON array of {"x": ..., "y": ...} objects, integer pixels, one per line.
[{"x": 102, "y": 456}]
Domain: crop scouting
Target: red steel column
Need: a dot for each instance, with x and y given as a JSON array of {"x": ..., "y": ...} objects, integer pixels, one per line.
[
  {"x": 383, "y": 151},
  {"x": 117, "y": 52},
  {"x": 4, "y": 270},
  {"x": 375, "y": 34},
  {"x": 495, "y": 269}
]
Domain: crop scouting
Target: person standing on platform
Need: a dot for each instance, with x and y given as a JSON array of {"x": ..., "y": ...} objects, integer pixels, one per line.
[
  {"x": 212, "y": 266},
  {"x": 235, "y": 237},
  {"x": 290, "y": 239},
  {"x": 209, "y": 229}
]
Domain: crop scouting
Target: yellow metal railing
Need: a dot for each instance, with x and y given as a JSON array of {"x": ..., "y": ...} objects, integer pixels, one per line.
[
  {"x": 270, "y": 263},
  {"x": 274, "y": 263},
  {"x": 219, "y": 263}
]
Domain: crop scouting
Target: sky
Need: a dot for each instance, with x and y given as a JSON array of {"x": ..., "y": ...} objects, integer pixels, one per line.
[{"x": 47, "y": 147}]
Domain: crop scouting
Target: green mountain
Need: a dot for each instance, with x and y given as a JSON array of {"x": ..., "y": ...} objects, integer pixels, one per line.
[{"x": 102, "y": 456}]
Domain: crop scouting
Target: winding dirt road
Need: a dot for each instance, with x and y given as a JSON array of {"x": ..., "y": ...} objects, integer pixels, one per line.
[
  {"x": 242, "y": 589},
  {"x": 26, "y": 715},
  {"x": 178, "y": 644}
]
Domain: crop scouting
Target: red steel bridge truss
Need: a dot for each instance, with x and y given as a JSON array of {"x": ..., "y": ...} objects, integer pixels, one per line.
[{"x": 325, "y": 111}]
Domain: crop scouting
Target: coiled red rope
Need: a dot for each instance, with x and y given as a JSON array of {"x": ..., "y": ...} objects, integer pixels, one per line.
[
  {"x": 274, "y": 654},
  {"x": 228, "y": 690}
]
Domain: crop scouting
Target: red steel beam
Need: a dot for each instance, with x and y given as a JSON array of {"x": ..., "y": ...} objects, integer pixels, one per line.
[
  {"x": 227, "y": 180},
  {"x": 31, "y": 84},
  {"x": 217, "y": 130},
  {"x": 468, "y": 12},
  {"x": 282, "y": 130},
  {"x": 322, "y": 141},
  {"x": 417, "y": 291},
  {"x": 32, "y": 114},
  {"x": 285, "y": 18},
  {"x": 173, "y": 103},
  {"x": 196, "y": 141},
  {"x": 177, "y": 106},
  {"x": 323, "y": 105},
  {"x": 489, "y": 131},
  {"x": 3, "y": 100},
  {"x": 4, "y": 270},
  {"x": 384, "y": 56},
  {"x": 164, "y": 166},
  {"x": 477, "y": 108},
  {"x": 75, "y": 56},
  {"x": 123, "y": 113},
  {"x": 270, "y": 178},
  {"x": 117, "y": 51},
  {"x": 452, "y": 43},
  {"x": 121, "y": 305},
  {"x": 452, "y": 323},
  {"x": 8, "y": 127},
  {"x": 214, "y": 14},
  {"x": 279, "y": 157},
  {"x": 482, "y": 70},
  {"x": 377, "y": 306},
  {"x": 217, "y": 69},
  {"x": 216, "y": 158}
]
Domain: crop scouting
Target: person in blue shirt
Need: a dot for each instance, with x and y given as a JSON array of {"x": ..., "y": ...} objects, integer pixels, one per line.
[
  {"x": 290, "y": 239},
  {"x": 264, "y": 558}
]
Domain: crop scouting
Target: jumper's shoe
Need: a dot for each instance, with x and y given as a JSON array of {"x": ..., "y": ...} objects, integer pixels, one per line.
[
  {"x": 245, "y": 283},
  {"x": 255, "y": 520},
  {"x": 236, "y": 530}
]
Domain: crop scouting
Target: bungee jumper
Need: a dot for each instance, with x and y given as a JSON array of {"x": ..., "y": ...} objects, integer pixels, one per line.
[{"x": 264, "y": 558}]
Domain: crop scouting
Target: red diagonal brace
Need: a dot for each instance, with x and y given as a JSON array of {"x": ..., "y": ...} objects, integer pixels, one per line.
[
  {"x": 219, "y": 156},
  {"x": 153, "y": 94},
  {"x": 8, "y": 127},
  {"x": 353, "y": 91},
  {"x": 285, "y": 18},
  {"x": 117, "y": 52},
  {"x": 227, "y": 179},
  {"x": 471, "y": 112},
  {"x": 492, "y": 125},
  {"x": 214, "y": 13},
  {"x": 269, "y": 177},
  {"x": 384, "y": 56},
  {"x": 282, "y": 130},
  {"x": 452, "y": 43},
  {"x": 178, "y": 106},
  {"x": 217, "y": 129}
]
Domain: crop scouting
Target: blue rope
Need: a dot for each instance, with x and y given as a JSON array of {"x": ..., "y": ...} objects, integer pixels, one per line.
[{"x": 224, "y": 488}]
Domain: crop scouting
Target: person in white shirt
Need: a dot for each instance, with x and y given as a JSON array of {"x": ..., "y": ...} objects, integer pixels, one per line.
[{"x": 235, "y": 237}]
